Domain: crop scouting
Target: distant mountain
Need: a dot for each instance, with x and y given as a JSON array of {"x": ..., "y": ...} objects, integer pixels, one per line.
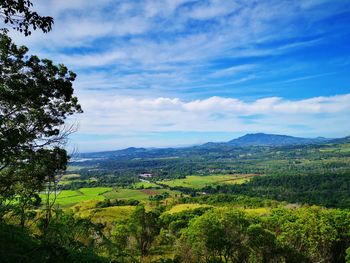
[
  {"x": 263, "y": 139},
  {"x": 116, "y": 153},
  {"x": 341, "y": 140},
  {"x": 254, "y": 139}
]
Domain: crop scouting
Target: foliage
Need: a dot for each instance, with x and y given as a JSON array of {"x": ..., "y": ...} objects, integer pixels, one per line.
[
  {"x": 116, "y": 202},
  {"x": 347, "y": 259},
  {"x": 159, "y": 197},
  {"x": 143, "y": 227},
  {"x": 228, "y": 236},
  {"x": 318, "y": 234},
  {"x": 36, "y": 96},
  {"x": 19, "y": 15},
  {"x": 135, "y": 236},
  {"x": 302, "y": 235},
  {"x": 17, "y": 245},
  {"x": 295, "y": 173},
  {"x": 330, "y": 190}
]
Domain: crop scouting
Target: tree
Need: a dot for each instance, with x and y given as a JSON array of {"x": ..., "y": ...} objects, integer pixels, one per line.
[
  {"x": 217, "y": 236},
  {"x": 143, "y": 227},
  {"x": 311, "y": 232},
  {"x": 206, "y": 235},
  {"x": 19, "y": 15},
  {"x": 36, "y": 97},
  {"x": 262, "y": 244}
]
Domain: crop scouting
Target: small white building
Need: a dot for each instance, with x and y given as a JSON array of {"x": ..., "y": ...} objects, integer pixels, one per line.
[{"x": 145, "y": 175}]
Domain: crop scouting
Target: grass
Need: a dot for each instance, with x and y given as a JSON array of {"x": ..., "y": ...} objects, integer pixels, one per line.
[
  {"x": 256, "y": 211},
  {"x": 182, "y": 207},
  {"x": 198, "y": 182},
  {"x": 70, "y": 176},
  {"x": 106, "y": 215},
  {"x": 344, "y": 148},
  {"x": 137, "y": 194},
  {"x": 69, "y": 198},
  {"x": 75, "y": 181},
  {"x": 85, "y": 205},
  {"x": 72, "y": 168},
  {"x": 94, "y": 191},
  {"x": 126, "y": 194}
]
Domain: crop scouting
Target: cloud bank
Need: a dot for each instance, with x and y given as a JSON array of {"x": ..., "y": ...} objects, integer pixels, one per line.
[{"x": 129, "y": 119}]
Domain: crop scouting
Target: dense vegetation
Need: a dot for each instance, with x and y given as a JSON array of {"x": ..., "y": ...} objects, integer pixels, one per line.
[
  {"x": 260, "y": 219},
  {"x": 209, "y": 203},
  {"x": 219, "y": 159},
  {"x": 309, "y": 174},
  {"x": 330, "y": 190}
]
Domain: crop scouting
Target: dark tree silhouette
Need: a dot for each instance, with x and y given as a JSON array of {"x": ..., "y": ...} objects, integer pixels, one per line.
[{"x": 19, "y": 15}]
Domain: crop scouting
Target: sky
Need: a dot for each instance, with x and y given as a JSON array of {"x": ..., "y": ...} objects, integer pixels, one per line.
[{"x": 159, "y": 73}]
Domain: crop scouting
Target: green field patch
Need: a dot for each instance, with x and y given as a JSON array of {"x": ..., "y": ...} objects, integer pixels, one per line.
[
  {"x": 198, "y": 182},
  {"x": 136, "y": 194},
  {"x": 344, "y": 148},
  {"x": 68, "y": 198},
  {"x": 182, "y": 207},
  {"x": 257, "y": 211},
  {"x": 75, "y": 181},
  {"x": 240, "y": 180},
  {"x": 84, "y": 205},
  {"x": 120, "y": 193},
  {"x": 95, "y": 191},
  {"x": 72, "y": 168},
  {"x": 106, "y": 215},
  {"x": 67, "y": 177}
]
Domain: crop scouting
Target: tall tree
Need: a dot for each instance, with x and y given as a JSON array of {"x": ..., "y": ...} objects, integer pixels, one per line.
[
  {"x": 143, "y": 227},
  {"x": 36, "y": 96}
]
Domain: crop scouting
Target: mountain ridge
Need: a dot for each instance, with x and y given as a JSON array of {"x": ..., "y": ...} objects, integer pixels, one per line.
[
  {"x": 248, "y": 140},
  {"x": 265, "y": 139}
]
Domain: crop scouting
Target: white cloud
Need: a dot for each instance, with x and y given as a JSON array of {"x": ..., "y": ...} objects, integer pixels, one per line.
[
  {"x": 234, "y": 70},
  {"x": 108, "y": 115},
  {"x": 213, "y": 9}
]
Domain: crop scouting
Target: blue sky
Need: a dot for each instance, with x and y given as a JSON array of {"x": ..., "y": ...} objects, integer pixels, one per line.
[{"x": 180, "y": 72}]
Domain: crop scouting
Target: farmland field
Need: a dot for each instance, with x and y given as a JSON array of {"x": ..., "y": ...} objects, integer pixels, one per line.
[
  {"x": 67, "y": 198},
  {"x": 71, "y": 197},
  {"x": 197, "y": 182},
  {"x": 182, "y": 207},
  {"x": 127, "y": 194}
]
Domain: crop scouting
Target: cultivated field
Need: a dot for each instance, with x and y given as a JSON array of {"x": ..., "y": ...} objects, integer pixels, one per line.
[
  {"x": 197, "y": 182},
  {"x": 68, "y": 198}
]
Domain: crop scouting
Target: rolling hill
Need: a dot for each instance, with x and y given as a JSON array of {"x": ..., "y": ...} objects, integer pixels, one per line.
[
  {"x": 248, "y": 140},
  {"x": 263, "y": 139}
]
